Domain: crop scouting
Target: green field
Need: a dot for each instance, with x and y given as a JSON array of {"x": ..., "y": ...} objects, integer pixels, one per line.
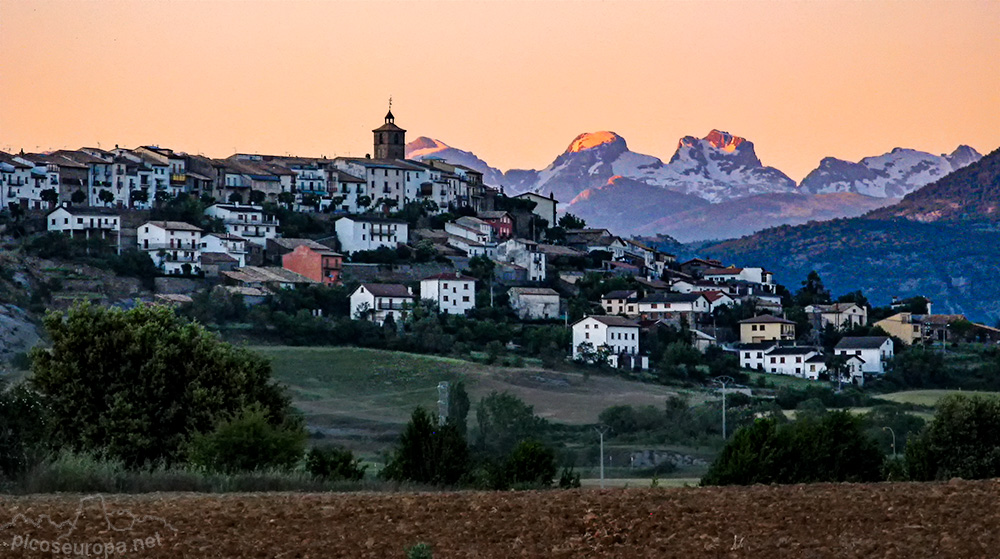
[
  {"x": 929, "y": 398},
  {"x": 340, "y": 387}
]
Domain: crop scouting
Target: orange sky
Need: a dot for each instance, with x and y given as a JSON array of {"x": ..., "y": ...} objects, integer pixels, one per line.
[{"x": 514, "y": 82}]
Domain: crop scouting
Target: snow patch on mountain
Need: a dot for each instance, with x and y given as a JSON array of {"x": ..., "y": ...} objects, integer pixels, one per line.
[
  {"x": 429, "y": 148},
  {"x": 891, "y": 175}
]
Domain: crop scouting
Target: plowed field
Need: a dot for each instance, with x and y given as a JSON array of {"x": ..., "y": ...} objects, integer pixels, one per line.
[{"x": 957, "y": 519}]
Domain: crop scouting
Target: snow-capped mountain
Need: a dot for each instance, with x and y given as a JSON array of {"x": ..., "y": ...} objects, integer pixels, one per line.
[
  {"x": 891, "y": 175},
  {"x": 426, "y": 148},
  {"x": 718, "y": 167}
]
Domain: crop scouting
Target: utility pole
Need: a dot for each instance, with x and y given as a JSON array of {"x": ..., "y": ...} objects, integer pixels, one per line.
[
  {"x": 600, "y": 431},
  {"x": 723, "y": 381}
]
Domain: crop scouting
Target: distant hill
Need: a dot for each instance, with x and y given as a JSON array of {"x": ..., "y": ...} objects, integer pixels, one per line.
[{"x": 941, "y": 241}]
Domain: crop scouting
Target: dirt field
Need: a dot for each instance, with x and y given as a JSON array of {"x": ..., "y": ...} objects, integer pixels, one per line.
[{"x": 957, "y": 519}]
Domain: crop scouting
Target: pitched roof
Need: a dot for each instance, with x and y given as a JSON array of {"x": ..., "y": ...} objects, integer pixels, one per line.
[
  {"x": 291, "y": 243},
  {"x": 533, "y": 291},
  {"x": 611, "y": 320},
  {"x": 620, "y": 294},
  {"x": 450, "y": 276},
  {"x": 387, "y": 289},
  {"x": 861, "y": 342},
  {"x": 78, "y": 210},
  {"x": 722, "y": 272},
  {"x": 492, "y": 215},
  {"x": 766, "y": 319},
  {"x": 791, "y": 350},
  {"x": 371, "y": 219},
  {"x": 671, "y": 298},
  {"x": 174, "y": 225},
  {"x": 216, "y": 258}
]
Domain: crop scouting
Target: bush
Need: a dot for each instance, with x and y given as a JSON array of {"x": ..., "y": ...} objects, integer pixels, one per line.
[
  {"x": 531, "y": 464},
  {"x": 963, "y": 440},
  {"x": 334, "y": 463},
  {"x": 249, "y": 442},
  {"x": 436, "y": 455},
  {"x": 831, "y": 447},
  {"x": 569, "y": 479},
  {"x": 420, "y": 551}
]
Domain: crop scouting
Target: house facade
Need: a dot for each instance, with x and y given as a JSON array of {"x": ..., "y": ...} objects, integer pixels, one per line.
[
  {"x": 623, "y": 302},
  {"x": 840, "y": 315},
  {"x": 317, "y": 263},
  {"x": 766, "y": 328},
  {"x": 248, "y": 222},
  {"x": 453, "y": 293},
  {"x": 378, "y": 301},
  {"x": 357, "y": 233},
  {"x": 87, "y": 223},
  {"x": 174, "y": 246},
  {"x": 534, "y": 303},
  {"x": 873, "y": 351},
  {"x": 612, "y": 335}
]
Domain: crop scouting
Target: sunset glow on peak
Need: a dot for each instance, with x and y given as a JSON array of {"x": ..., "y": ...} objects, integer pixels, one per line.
[
  {"x": 591, "y": 140},
  {"x": 724, "y": 140}
]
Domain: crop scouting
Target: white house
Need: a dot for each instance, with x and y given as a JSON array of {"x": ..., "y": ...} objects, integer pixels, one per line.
[
  {"x": 453, "y": 293},
  {"x": 621, "y": 302},
  {"x": 840, "y": 315},
  {"x": 671, "y": 305},
  {"x": 615, "y": 335},
  {"x": 524, "y": 253},
  {"x": 369, "y": 233},
  {"x": 249, "y": 222},
  {"x": 545, "y": 208},
  {"x": 718, "y": 299},
  {"x": 473, "y": 236},
  {"x": 752, "y": 275},
  {"x": 174, "y": 246},
  {"x": 789, "y": 360},
  {"x": 225, "y": 243},
  {"x": 874, "y": 352},
  {"x": 103, "y": 223},
  {"x": 534, "y": 303},
  {"x": 376, "y": 301}
]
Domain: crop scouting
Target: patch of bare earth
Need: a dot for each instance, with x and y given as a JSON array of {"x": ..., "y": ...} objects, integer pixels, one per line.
[{"x": 957, "y": 519}]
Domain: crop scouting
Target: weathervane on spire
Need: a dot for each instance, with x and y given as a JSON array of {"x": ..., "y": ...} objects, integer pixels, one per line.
[{"x": 390, "y": 103}]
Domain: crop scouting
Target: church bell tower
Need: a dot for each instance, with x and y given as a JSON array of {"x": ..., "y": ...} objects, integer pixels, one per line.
[{"x": 390, "y": 140}]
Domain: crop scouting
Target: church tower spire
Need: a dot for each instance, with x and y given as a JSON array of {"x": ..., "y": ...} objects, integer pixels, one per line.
[{"x": 390, "y": 140}]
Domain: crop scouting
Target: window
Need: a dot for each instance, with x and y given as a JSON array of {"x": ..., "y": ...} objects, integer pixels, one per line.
[
  {"x": 774, "y": 360},
  {"x": 446, "y": 298},
  {"x": 465, "y": 299},
  {"x": 587, "y": 335},
  {"x": 782, "y": 359}
]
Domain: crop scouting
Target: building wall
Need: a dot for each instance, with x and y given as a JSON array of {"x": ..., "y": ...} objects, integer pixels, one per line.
[
  {"x": 756, "y": 333},
  {"x": 451, "y": 296}
]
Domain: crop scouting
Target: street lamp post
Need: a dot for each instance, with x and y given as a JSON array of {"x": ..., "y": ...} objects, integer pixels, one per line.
[
  {"x": 893, "y": 433},
  {"x": 600, "y": 431},
  {"x": 723, "y": 381}
]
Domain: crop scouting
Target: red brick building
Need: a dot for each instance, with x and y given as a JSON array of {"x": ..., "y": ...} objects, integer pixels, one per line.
[{"x": 316, "y": 263}]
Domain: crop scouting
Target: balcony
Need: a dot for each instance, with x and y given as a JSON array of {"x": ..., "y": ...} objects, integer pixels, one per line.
[
  {"x": 181, "y": 257},
  {"x": 179, "y": 179},
  {"x": 189, "y": 245},
  {"x": 383, "y": 306}
]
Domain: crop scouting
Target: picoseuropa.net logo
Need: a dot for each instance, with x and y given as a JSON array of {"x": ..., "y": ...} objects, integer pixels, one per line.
[{"x": 93, "y": 531}]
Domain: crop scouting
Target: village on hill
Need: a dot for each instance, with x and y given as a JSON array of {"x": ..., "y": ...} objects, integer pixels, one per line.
[{"x": 406, "y": 233}]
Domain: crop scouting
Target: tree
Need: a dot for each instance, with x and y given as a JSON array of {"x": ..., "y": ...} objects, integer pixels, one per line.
[
  {"x": 105, "y": 196},
  {"x": 235, "y": 198},
  {"x": 458, "y": 406},
  {"x": 481, "y": 268},
  {"x": 364, "y": 201},
  {"x": 570, "y": 221},
  {"x": 49, "y": 195},
  {"x": 22, "y": 420},
  {"x": 531, "y": 464},
  {"x": 136, "y": 385},
  {"x": 812, "y": 292},
  {"x": 830, "y": 447},
  {"x": 161, "y": 197},
  {"x": 257, "y": 197},
  {"x": 963, "y": 440},
  {"x": 427, "y": 453},
  {"x": 78, "y": 197},
  {"x": 140, "y": 196},
  {"x": 334, "y": 463},
  {"x": 310, "y": 200},
  {"x": 248, "y": 442},
  {"x": 286, "y": 199},
  {"x": 503, "y": 421}
]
